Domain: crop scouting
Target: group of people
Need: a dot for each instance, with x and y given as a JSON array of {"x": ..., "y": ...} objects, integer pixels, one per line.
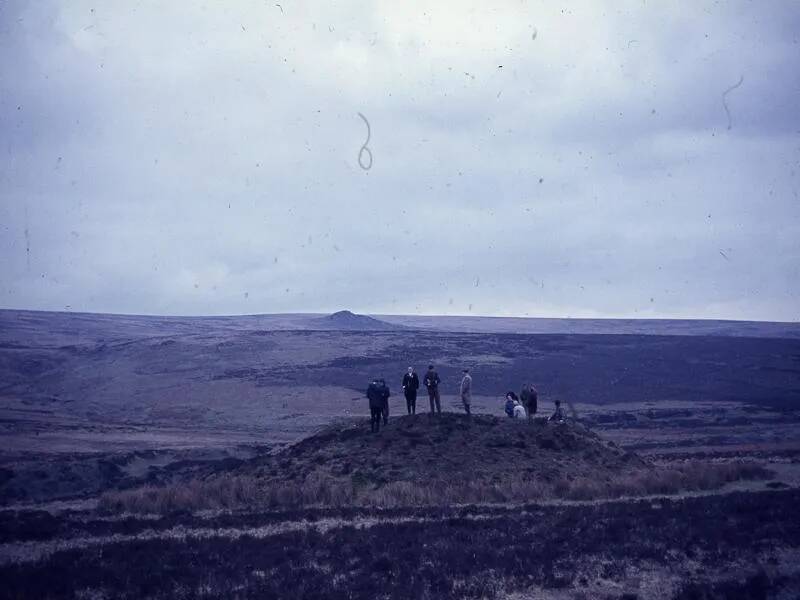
[
  {"x": 525, "y": 405},
  {"x": 378, "y": 393},
  {"x": 431, "y": 382}
]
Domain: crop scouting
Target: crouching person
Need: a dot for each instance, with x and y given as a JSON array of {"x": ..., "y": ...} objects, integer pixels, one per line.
[
  {"x": 519, "y": 410},
  {"x": 558, "y": 414},
  {"x": 375, "y": 397},
  {"x": 511, "y": 398}
]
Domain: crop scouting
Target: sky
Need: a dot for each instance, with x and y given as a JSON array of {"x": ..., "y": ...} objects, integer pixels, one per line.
[{"x": 574, "y": 159}]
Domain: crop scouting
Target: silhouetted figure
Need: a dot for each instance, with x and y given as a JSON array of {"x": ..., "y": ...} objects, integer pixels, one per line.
[
  {"x": 558, "y": 415},
  {"x": 466, "y": 390},
  {"x": 384, "y": 391},
  {"x": 530, "y": 399},
  {"x": 432, "y": 382},
  {"x": 410, "y": 387},
  {"x": 375, "y": 397}
]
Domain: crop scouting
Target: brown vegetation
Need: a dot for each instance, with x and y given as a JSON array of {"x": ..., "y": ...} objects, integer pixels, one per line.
[
  {"x": 231, "y": 491},
  {"x": 686, "y": 477},
  {"x": 418, "y": 461}
]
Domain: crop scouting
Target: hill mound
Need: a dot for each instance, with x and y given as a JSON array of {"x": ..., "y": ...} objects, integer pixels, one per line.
[
  {"x": 434, "y": 461},
  {"x": 346, "y": 320},
  {"x": 446, "y": 458}
]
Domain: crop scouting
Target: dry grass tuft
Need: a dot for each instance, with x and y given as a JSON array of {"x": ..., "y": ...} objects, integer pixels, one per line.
[
  {"x": 199, "y": 494},
  {"x": 231, "y": 491},
  {"x": 408, "y": 493},
  {"x": 690, "y": 476}
]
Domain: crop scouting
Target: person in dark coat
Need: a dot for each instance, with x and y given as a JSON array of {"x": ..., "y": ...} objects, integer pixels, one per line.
[
  {"x": 384, "y": 391},
  {"x": 432, "y": 382},
  {"x": 375, "y": 405},
  {"x": 530, "y": 399},
  {"x": 410, "y": 387}
]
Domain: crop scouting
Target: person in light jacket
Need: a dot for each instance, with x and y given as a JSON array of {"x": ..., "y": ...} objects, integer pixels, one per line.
[
  {"x": 519, "y": 410},
  {"x": 466, "y": 390}
]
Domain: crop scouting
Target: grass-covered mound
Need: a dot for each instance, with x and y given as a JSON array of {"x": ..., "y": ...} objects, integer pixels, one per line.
[
  {"x": 424, "y": 460},
  {"x": 449, "y": 449}
]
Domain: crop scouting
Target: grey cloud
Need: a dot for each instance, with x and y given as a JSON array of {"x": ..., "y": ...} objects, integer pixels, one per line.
[{"x": 197, "y": 145}]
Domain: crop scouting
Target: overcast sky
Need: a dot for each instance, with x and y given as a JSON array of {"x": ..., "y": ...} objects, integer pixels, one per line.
[{"x": 529, "y": 158}]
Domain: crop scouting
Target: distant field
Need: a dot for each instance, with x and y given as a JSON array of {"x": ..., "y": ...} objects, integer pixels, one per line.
[
  {"x": 118, "y": 399},
  {"x": 599, "y": 326},
  {"x": 24, "y": 322},
  {"x": 170, "y": 457},
  {"x": 155, "y": 368}
]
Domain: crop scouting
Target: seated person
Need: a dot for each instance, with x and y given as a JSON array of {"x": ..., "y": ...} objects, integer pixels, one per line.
[
  {"x": 511, "y": 397},
  {"x": 519, "y": 410},
  {"x": 558, "y": 415}
]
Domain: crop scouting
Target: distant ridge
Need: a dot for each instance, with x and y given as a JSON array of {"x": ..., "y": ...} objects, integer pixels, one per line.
[
  {"x": 61, "y": 327},
  {"x": 538, "y": 325},
  {"x": 348, "y": 321}
]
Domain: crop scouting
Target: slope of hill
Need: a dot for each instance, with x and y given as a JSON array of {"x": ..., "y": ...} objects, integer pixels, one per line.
[
  {"x": 425, "y": 460},
  {"x": 450, "y": 448}
]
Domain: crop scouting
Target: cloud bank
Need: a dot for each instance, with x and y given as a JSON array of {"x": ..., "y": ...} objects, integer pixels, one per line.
[{"x": 528, "y": 158}]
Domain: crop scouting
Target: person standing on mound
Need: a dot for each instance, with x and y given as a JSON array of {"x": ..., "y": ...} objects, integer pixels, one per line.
[
  {"x": 432, "y": 383},
  {"x": 466, "y": 391},
  {"x": 410, "y": 387},
  {"x": 384, "y": 392},
  {"x": 530, "y": 399},
  {"x": 375, "y": 405}
]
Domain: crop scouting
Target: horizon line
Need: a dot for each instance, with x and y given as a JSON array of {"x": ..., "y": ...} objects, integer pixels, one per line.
[{"x": 369, "y": 314}]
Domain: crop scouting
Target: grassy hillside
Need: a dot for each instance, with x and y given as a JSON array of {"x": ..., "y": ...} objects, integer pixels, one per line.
[{"x": 423, "y": 460}]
